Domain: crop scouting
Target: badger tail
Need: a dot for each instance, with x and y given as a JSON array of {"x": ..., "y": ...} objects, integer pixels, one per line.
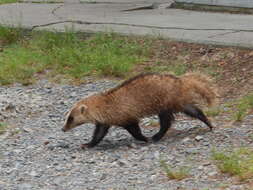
[{"x": 196, "y": 86}]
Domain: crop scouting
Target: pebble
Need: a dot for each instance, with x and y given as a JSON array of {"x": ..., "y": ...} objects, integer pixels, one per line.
[
  {"x": 212, "y": 173},
  {"x": 185, "y": 140},
  {"x": 198, "y": 138},
  {"x": 34, "y": 174},
  {"x": 192, "y": 150},
  {"x": 62, "y": 145}
]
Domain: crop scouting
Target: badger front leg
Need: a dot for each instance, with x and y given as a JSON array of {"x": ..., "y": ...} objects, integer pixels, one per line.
[
  {"x": 99, "y": 133},
  {"x": 166, "y": 118}
]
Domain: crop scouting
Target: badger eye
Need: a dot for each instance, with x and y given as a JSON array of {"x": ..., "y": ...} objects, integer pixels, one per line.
[{"x": 70, "y": 119}]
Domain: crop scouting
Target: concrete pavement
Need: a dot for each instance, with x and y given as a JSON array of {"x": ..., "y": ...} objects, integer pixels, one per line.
[
  {"x": 139, "y": 17},
  {"x": 227, "y": 3}
]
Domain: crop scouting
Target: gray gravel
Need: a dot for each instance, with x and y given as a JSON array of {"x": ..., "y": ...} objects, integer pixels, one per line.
[{"x": 36, "y": 154}]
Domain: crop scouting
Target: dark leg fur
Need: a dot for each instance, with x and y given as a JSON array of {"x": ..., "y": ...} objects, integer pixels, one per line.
[
  {"x": 166, "y": 118},
  {"x": 98, "y": 134},
  {"x": 135, "y": 131},
  {"x": 195, "y": 112}
]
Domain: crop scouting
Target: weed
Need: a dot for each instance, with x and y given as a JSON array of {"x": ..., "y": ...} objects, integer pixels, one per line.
[
  {"x": 215, "y": 111},
  {"x": 10, "y": 35},
  {"x": 178, "y": 174},
  {"x": 238, "y": 162},
  {"x": 3, "y": 128},
  {"x": 243, "y": 106}
]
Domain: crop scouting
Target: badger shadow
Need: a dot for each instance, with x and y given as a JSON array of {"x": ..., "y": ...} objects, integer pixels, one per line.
[
  {"x": 172, "y": 136},
  {"x": 180, "y": 134}
]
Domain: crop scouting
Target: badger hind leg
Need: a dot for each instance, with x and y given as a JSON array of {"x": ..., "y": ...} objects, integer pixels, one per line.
[
  {"x": 99, "y": 133},
  {"x": 166, "y": 118},
  {"x": 135, "y": 131},
  {"x": 197, "y": 113}
]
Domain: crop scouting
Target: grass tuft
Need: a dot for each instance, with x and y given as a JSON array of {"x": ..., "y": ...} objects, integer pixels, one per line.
[
  {"x": 238, "y": 163},
  {"x": 214, "y": 111},
  {"x": 244, "y": 105},
  {"x": 9, "y": 35},
  {"x": 3, "y": 128},
  {"x": 178, "y": 174}
]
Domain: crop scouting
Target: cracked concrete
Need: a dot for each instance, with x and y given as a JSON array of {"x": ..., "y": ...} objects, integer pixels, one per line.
[{"x": 142, "y": 18}]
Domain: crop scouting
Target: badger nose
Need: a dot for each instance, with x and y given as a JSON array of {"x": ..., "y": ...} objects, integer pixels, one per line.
[{"x": 64, "y": 130}]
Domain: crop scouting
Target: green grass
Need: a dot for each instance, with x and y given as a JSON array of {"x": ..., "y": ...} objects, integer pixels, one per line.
[
  {"x": 8, "y": 1},
  {"x": 3, "y": 128},
  {"x": 238, "y": 162},
  {"x": 177, "y": 174},
  {"x": 69, "y": 56},
  {"x": 10, "y": 35},
  {"x": 244, "y": 105},
  {"x": 214, "y": 111}
]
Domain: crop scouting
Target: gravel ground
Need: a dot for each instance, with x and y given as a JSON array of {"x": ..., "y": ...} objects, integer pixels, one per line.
[{"x": 36, "y": 154}]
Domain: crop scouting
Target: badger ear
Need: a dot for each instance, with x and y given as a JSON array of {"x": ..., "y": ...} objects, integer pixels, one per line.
[{"x": 83, "y": 108}]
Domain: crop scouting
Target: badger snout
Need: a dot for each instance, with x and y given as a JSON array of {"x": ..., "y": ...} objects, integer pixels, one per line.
[{"x": 63, "y": 129}]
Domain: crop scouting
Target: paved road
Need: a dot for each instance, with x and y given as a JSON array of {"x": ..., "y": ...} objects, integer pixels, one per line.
[{"x": 112, "y": 15}]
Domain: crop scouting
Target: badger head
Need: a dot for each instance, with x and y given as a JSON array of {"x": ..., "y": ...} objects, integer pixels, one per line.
[{"x": 78, "y": 115}]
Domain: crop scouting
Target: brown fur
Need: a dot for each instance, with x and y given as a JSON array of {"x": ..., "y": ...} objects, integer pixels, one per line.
[{"x": 145, "y": 95}]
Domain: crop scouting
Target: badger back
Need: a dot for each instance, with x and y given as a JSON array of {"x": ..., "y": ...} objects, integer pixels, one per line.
[{"x": 145, "y": 95}]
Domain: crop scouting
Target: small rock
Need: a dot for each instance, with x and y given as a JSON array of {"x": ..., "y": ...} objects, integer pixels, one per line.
[
  {"x": 132, "y": 145},
  {"x": 17, "y": 151},
  {"x": 153, "y": 177},
  {"x": 58, "y": 168},
  {"x": 192, "y": 151},
  {"x": 186, "y": 139},
  {"x": 28, "y": 130},
  {"x": 73, "y": 94},
  {"x": 34, "y": 174},
  {"x": 10, "y": 107},
  {"x": 122, "y": 162},
  {"x": 103, "y": 176},
  {"x": 51, "y": 147},
  {"x": 144, "y": 149},
  {"x": 206, "y": 163},
  {"x": 212, "y": 173},
  {"x": 198, "y": 138},
  {"x": 10, "y": 153},
  {"x": 62, "y": 145}
]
